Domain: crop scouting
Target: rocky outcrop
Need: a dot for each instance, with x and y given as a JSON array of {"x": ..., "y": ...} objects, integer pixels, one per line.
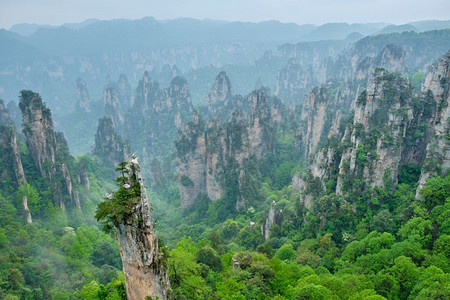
[
  {"x": 48, "y": 149},
  {"x": 39, "y": 132},
  {"x": 221, "y": 154},
  {"x": 221, "y": 101},
  {"x": 26, "y": 210},
  {"x": 437, "y": 87},
  {"x": 18, "y": 167},
  {"x": 84, "y": 101},
  {"x": 267, "y": 225},
  {"x": 191, "y": 161},
  {"x": 82, "y": 176},
  {"x": 9, "y": 147},
  {"x": 220, "y": 93},
  {"x": 151, "y": 124},
  {"x": 109, "y": 146},
  {"x": 313, "y": 118},
  {"x": 11, "y": 161},
  {"x": 112, "y": 105},
  {"x": 388, "y": 129},
  {"x": 380, "y": 123},
  {"x": 144, "y": 264}
]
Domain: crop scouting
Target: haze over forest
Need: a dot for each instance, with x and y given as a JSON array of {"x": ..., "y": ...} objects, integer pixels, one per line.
[{"x": 224, "y": 150}]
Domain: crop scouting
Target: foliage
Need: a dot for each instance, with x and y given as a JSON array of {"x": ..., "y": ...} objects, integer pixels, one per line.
[{"x": 117, "y": 207}]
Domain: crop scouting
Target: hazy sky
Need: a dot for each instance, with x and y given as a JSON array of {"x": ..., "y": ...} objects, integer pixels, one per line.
[{"x": 57, "y": 12}]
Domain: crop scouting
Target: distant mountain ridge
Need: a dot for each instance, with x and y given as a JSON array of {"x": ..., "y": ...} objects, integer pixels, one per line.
[{"x": 236, "y": 30}]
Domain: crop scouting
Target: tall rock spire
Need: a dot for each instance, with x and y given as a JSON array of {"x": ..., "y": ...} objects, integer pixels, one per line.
[
  {"x": 437, "y": 87},
  {"x": 48, "y": 149},
  {"x": 144, "y": 265}
]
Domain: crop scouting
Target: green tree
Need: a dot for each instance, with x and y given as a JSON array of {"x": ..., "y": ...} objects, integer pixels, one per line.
[
  {"x": 286, "y": 252},
  {"x": 230, "y": 289}
]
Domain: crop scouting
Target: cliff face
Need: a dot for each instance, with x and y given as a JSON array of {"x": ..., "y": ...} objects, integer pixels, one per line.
[
  {"x": 9, "y": 148},
  {"x": 220, "y": 92},
  {"x": 146, "y": 274},
  {"x": 109, "y": 146},
  {"x": 437, "y": 86},
  {"x": 10, "y": 159},
  {"x": 221, "y": 154},
  {"x": 191, "y": 161},
  {"x": 389, "y": 128},
  {"x": 39, "y": 132},
  {"x": 267, "y": 225},
  {"x": 152, "y": 122},
  {"x": 47, "y": 148},
  {"x": 112, "y": 106},
  {"x": 381, "y": 118}
]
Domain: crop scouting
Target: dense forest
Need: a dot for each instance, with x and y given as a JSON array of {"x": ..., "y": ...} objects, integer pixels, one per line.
[{"x": 333, "y": 185}]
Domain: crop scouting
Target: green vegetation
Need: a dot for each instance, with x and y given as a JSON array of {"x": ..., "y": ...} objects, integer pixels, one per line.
[
  {"x": 62, "y": 254},
  {"x": 117, "y": 207},
  {"x": 374, "y": 254}
]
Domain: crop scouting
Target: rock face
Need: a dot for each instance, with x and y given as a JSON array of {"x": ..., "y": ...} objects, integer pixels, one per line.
[
  {"x": 112, "y": 106},
  {"x": 47, "y": 148},
  {"x": 146, "y": 274},
  {"x": 9, "y": 147},
  {"x": 84, "y": 101},
  {"x": 152, "y": 122},
  {"x": 211, "y": 157},
  {"x": 117, "y": 99},
  {"x": 313, "y": 118},
  {"x": 18, "y": 167},
  {"x": 388, "y": 130},
  {"x": 221, "y": 101},
  {"x": 380, "y": 124},
  {"x": 191, "y": 161},
  {"x": 39, "y": 132},
  {"x": 220, "y": 93},
  {"x": 26, "y": 211},
  {"x": 437, "y": 86},
  {"x": 265, "y": 228},
  {"x": 109, "y": 146},
  {"x": 10, "y": 158}
]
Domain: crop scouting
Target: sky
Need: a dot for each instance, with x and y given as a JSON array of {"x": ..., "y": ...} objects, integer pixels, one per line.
[{"x": 57, "y": 12}]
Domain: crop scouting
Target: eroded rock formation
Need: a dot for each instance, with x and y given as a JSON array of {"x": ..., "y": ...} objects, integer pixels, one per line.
[
  {"x": 437, "y": 86},
  {"x": 144, "y": 264},
  {"x": 219, "y": 154},
  {"x": 48, "y": 149},
  {"x": 109, "y": 146}
]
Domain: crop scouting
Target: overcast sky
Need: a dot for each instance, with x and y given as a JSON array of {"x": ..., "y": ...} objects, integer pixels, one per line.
[{"x": 56, "y": 12}]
